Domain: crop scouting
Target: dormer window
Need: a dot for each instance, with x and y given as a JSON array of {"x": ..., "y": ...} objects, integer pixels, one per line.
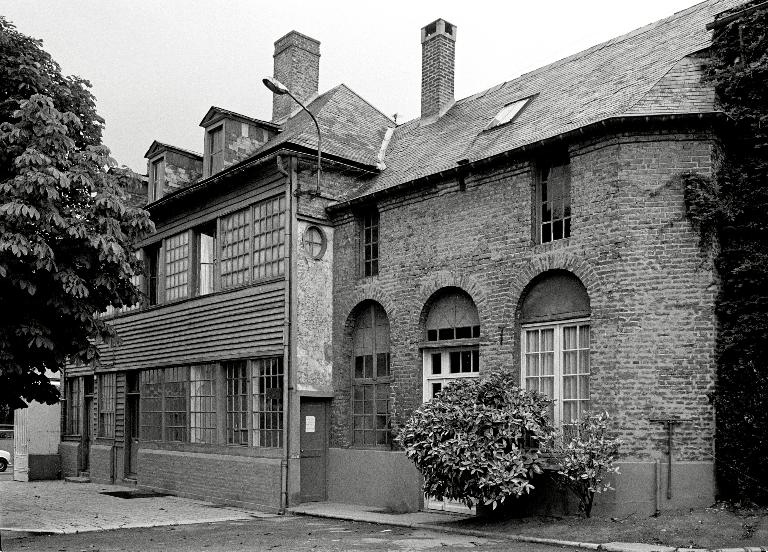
[
  {"x": 508, "y": 113},
  {"x": 156, "y": 179},
  {"x": 215, "y": 150}
]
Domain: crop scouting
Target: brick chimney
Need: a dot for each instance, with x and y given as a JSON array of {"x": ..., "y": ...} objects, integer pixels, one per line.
[
  {"x": 438, "y": 56},
  {"x": 297, "y": 66}
]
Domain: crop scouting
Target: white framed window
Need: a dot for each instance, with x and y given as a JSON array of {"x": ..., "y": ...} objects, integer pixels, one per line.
[{"x": 555, "y": 361}]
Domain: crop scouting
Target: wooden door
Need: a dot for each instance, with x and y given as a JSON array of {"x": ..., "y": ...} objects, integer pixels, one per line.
[
  {"x": 314, "y": 449},
  {"x": 132, "y": 433}
]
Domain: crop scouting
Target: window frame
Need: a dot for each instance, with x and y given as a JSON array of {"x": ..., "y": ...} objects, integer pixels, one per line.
[
  {"x": 371, "y": 384},
  {"x": 370, "y": 262},
  {"x": 558, "y": 326},
  {"x": 542, "y": 178},
  {"x": 73, "y": 406},
  {"x": 106, "y": 401},
  {"x": 209, "y": 149},
  {"x": 156, "y": 185}
]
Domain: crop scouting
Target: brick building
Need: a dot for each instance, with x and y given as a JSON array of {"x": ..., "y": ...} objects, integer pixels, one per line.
[{"x": 538, "y": 226}]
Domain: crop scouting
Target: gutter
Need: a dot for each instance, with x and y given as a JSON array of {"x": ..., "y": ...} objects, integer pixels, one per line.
[{"x": 463, "y": 166}]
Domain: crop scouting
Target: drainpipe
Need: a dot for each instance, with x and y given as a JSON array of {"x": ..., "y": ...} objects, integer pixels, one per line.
[{"x": 287, "y": 366}]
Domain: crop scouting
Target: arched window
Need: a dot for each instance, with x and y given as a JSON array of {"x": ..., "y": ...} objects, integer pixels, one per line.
[
  {"x": 371, "y": 377},
  {"x": 452, "y": 348},
  {"x": 555, "y": 344}
]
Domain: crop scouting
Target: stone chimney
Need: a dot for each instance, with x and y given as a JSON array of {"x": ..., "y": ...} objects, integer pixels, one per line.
[
  {"x": 297, "y": 66},
  {"x": 438, "y": 56}
]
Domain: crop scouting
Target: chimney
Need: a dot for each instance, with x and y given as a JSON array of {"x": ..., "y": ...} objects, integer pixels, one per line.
[
  {"x": 438, "y": 55},
  {"x": 297, "y": 66}
]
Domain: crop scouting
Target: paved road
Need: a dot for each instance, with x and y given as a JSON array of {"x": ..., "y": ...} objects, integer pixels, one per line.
[{"x": 270, "y": 534}]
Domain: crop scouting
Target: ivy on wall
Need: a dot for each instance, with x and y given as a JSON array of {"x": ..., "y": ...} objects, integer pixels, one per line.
[{"x": 732, "y": 211}]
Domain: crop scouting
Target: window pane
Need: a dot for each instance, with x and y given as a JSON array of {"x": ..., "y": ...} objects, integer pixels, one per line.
[
  {"x": 548, "y": 387},
  {"x": 368, "y": 366},
  {"x": 548, "y": 340},
  {"x": 547, "y": 364},
  {"x": 436, "y": 360},
  {"x": 532, "y": 364},
  {"x": 455, "y": 362},
  {"x": 237, "y": 403},
  {"x": 382, "y": 365},
  {"x": 584, "y": 337},
  {"x": 359, "y": 367},
  {"x": 532, "y": 341},
  {"x": 466, "y": 361},
  {"x": 569, "y": 387},
  {"x": 570, "y": 362}
]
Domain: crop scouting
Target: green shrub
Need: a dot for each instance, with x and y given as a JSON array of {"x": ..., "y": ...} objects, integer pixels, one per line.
[
  {"x": 469, "y": 442},
  {"x": 586, "y": 458}
]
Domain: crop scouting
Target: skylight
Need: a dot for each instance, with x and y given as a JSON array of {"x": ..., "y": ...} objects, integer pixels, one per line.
[{"x": 508, "y": 113}]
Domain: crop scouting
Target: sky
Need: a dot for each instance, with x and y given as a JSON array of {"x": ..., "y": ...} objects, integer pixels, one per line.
[{"x": 157, "y": 66}]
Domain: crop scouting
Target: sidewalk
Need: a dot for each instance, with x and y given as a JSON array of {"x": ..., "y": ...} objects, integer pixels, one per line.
[
  {"x": 50, "y": 507},
  {"x": 452, "y": 523}
]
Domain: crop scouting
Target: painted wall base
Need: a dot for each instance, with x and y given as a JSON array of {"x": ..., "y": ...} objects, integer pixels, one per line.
[
  {"x": 374, "y": 478},
  {"x": 390, "y": 481}
]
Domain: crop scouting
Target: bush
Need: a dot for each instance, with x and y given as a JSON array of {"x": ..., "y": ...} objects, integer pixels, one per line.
[
  {"x": 586, "y": 459},
  {"x": 469, "y": 442}
]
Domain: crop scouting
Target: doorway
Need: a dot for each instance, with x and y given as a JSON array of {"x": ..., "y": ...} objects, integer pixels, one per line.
[
  {"x": 442, "y": 366},
  {"x": 314, "y": 449},
  {"x": 132, "y": 401}
]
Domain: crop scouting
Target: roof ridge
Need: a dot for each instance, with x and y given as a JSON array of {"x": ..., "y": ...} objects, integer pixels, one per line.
[{"x": 368, "y": 103}]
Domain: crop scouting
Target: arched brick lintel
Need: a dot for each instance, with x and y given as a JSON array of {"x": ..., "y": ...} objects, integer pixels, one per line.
[{"x": 522, "y": 281}]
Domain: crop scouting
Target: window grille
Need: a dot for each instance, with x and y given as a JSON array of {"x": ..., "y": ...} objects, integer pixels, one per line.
[
  {"x": 237, "y": 402},
  {"x": 269, "y": 238},
  {"x": 151, "y": 389},
  {"x": 175, "y": 393},
  {"x": 554, "y": 202},
  {"x": 177, "y": 267},
  {"x": 107, "y": 405},
  {"x": 235, "y": 248},
  {"x": 370, "y": 251},
  {"x": 74, "y": 397},
  {"x": 202, "y": 407},
  {"x": 268, "y": 402}
]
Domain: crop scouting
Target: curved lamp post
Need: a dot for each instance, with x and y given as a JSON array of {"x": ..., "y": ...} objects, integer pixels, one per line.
[{"x": 276, "y": 87}]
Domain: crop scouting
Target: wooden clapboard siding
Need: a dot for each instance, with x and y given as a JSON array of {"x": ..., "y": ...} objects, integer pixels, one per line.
[
  {"x": 244, "y": 322},
  {"x": 247, "y": 189}
]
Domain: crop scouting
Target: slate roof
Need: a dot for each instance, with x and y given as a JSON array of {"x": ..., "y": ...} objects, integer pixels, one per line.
[
  {"x": 156, "y": 147},
  {"x": 351, "y": 127},
  {"x": 645, "y": 72}
]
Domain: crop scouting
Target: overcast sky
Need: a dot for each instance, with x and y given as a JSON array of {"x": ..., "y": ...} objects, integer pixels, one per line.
[{"x": 157, "y": 66}]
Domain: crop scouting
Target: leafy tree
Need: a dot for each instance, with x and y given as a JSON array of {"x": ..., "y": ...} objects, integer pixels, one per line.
[
  {"x": 471, "y": 442},
  {"x": 587, "y": 458},
  {"x": 66, "y": 228}
]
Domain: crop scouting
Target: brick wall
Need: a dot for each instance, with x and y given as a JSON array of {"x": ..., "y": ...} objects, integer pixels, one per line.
[
  {"x": 240, "y": 480},
  {"x": 651, "y": 290}
]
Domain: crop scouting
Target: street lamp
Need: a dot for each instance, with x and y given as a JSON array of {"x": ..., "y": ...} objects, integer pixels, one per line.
[{"x": 276, "y": 87}]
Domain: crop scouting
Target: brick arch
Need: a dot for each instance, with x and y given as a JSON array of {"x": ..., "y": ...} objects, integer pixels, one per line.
[
  {"x": 434, "y": 283},
  {"x": 521, "y": 281},
  {"x": 370, "y": 292}
]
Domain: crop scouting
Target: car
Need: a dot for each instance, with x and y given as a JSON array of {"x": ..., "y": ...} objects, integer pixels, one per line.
[{"x": 5, "y": 459}]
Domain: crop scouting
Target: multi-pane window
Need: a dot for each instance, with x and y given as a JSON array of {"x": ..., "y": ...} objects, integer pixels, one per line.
[
  {"x": 237, "y": 402},
  {"x": 453, "y": 316},
  {"x": 269, "y": 238},
  {"x": 106, "y": 405},
  {"x": 73, "y": 394},
  {"x": 371, "y": 378},
  {"x": 175, "y": 393},
  {"x": 151, "y": 389},
  {"x": 177, "y": 266},
  {"x": 236, "y": 248},
  {"x": 553, "y": 201},
  {"x": 370, "y": 243},
  {"x": 215, "y": 150},
  {"x": 267, "y": 378},
  {"x": 556, "y": 363},
  {"x": 202, "y": 403}
]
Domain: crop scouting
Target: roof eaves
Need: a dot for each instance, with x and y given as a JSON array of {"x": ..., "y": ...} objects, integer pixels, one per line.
[{"x": 466, "y": 164}]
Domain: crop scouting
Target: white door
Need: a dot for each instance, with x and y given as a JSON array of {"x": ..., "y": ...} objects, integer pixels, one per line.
[{"x": 442, "y": 366}]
